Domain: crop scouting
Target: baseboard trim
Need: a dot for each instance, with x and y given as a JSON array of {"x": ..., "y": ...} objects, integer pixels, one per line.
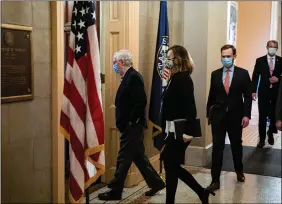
[{"x": 198, "y": 156}]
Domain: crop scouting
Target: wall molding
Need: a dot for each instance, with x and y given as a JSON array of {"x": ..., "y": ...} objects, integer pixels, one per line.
[
  {"x": 198, "y": 156},
  {"x": 58, "y": 155},
  {"x": 274, "y": 20}
]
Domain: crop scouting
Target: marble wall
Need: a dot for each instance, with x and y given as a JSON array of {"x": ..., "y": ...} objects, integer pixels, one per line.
[
  {"x": 26, "y": 126},
  {"x": 205, "y": 24},
  {"x": 253, "y": 33}
]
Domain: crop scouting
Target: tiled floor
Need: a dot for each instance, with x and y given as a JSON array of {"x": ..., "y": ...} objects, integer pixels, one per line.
[
  {"x": 250, "y": 134},
  {"x": 256, "y": 189}
]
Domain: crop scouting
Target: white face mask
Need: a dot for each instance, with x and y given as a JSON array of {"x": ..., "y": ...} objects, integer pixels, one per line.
[
  {"x": 272, "y": 51},
  {"x": 169, "y": 64}
]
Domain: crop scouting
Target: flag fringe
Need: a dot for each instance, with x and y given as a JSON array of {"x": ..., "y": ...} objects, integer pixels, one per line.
[
  {"x": 88, "y": 153},
  {"x": 93, "y": 150},
  {"x": 159, "y": 129},
  {"x": 72, "y": 200},
  {"x": 65, "y": 133}
]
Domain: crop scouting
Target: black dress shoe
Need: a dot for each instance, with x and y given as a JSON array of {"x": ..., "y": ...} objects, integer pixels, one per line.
[
  {"x": 153, "y": 191},
  {"x": 110, "y": 195},
  {"x": 240, "y": 177},
  {"x": 260, "y": 145},
  {"x": 270, "y": 138},
  {"x": 205, "y": 196},
  {"x": 213, "y": 186}
]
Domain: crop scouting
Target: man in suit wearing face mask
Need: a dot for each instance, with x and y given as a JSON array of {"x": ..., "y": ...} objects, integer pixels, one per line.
[
  {"x": 229, "y": 110},
  {"x": 268, "y": 69},
  {"x": 130, "y": 105}
]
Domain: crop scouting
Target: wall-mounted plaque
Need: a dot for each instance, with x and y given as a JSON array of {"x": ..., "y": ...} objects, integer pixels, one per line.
[{"x": 16, "y": 68}]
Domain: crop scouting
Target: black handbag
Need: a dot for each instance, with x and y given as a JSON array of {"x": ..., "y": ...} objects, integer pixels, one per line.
[{"x": 189, "y": 126}]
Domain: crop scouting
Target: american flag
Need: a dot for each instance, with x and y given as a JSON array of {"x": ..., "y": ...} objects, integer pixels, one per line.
[{"x": 82, "y": 121}]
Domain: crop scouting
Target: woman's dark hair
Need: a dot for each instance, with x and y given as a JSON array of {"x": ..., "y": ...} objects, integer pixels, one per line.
[{"x": 183, "y": 60}]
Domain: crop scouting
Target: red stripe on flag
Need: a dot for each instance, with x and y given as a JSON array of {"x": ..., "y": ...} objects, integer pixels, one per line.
[
  {"x": 77, "y": 102},
  {"x": 64, "y": 121},
  {"x": 95, "y": 106},
  {"x": 78, "y": 150},
  {"x": 67, "y": 89},
  {"x": 82, "y": 64},
  {"x": 74, "y": 188},
  {"x": 70, "y": 56},
  {"x": 77, "y": 147},
  {"x": 95, "y": 157}
]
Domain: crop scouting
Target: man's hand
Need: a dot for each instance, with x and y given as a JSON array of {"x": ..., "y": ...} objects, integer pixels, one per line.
[
  {"x": 279, "y": 125},
  {"x": 254, "y": 96},
  {"x": 245, "y": 122},
  {"x": 273, "y": 79}
]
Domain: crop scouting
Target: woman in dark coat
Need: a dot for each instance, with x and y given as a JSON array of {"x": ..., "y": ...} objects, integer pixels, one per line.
[{"x": 178, "y": 103}]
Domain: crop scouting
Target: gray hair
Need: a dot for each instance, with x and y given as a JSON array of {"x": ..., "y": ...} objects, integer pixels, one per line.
[{"x": 125, "y": 56}]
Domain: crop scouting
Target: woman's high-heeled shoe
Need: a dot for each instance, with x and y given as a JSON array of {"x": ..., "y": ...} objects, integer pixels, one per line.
[{"x": 205, "y": 196}]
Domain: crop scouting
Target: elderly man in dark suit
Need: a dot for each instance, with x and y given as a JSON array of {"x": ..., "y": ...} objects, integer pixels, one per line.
[
  {"x": 229, "y": 110},
  {"x": 268, "y": 69},
  {"x": 130, "y": 105},
  {"x": 279, "y": 109}
]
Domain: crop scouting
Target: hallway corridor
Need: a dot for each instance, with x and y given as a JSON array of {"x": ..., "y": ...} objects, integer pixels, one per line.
[
  {"x": 250, "y": 134},
  {"x": 257, "y": 189}
]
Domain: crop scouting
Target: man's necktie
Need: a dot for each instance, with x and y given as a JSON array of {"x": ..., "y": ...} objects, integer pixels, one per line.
[
  {"x": 227, "y": 81},
  {"x": 271, "y": 68}
]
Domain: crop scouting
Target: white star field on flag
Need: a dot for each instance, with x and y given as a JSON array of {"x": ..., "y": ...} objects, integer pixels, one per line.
[{"x": 83, "y": 16}]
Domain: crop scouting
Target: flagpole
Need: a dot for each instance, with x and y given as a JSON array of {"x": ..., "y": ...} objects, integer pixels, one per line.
[
  {"x": 159, "y": 79},
  {"x": 161, "y": 167},
  {"x": 87, "y": 195}
]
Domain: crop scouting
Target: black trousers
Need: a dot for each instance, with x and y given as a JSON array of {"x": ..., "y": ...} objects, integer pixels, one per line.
[
  {"x": 174, "y": 171},
  {"x": 132, "y": 150},
  {"x": 267, "y": 106},
  {"x": 234, "y": 129}
]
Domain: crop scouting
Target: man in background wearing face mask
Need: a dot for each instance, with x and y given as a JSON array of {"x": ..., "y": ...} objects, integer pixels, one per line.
[
  {"x": 229, "y": 110},
  {"x": 130, "y": 105},
  {"x": 268, "y": 68}
]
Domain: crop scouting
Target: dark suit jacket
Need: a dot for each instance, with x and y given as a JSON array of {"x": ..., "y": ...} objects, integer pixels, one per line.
[
  {"x": 178, "y": 98},
  {"x": 279, "y": 104},
  {"x": 238, "y": 103},
  {"x": 178, "y": 103},
  {"x": 130, "y": 100},
  {"x": 262, "y": 70}
]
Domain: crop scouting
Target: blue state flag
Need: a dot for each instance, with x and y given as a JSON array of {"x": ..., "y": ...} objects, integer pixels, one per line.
[{"x": 158, "y": 81}]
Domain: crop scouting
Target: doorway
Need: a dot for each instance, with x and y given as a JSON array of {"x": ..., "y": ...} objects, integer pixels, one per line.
[{"x": 115, "y": 23}]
